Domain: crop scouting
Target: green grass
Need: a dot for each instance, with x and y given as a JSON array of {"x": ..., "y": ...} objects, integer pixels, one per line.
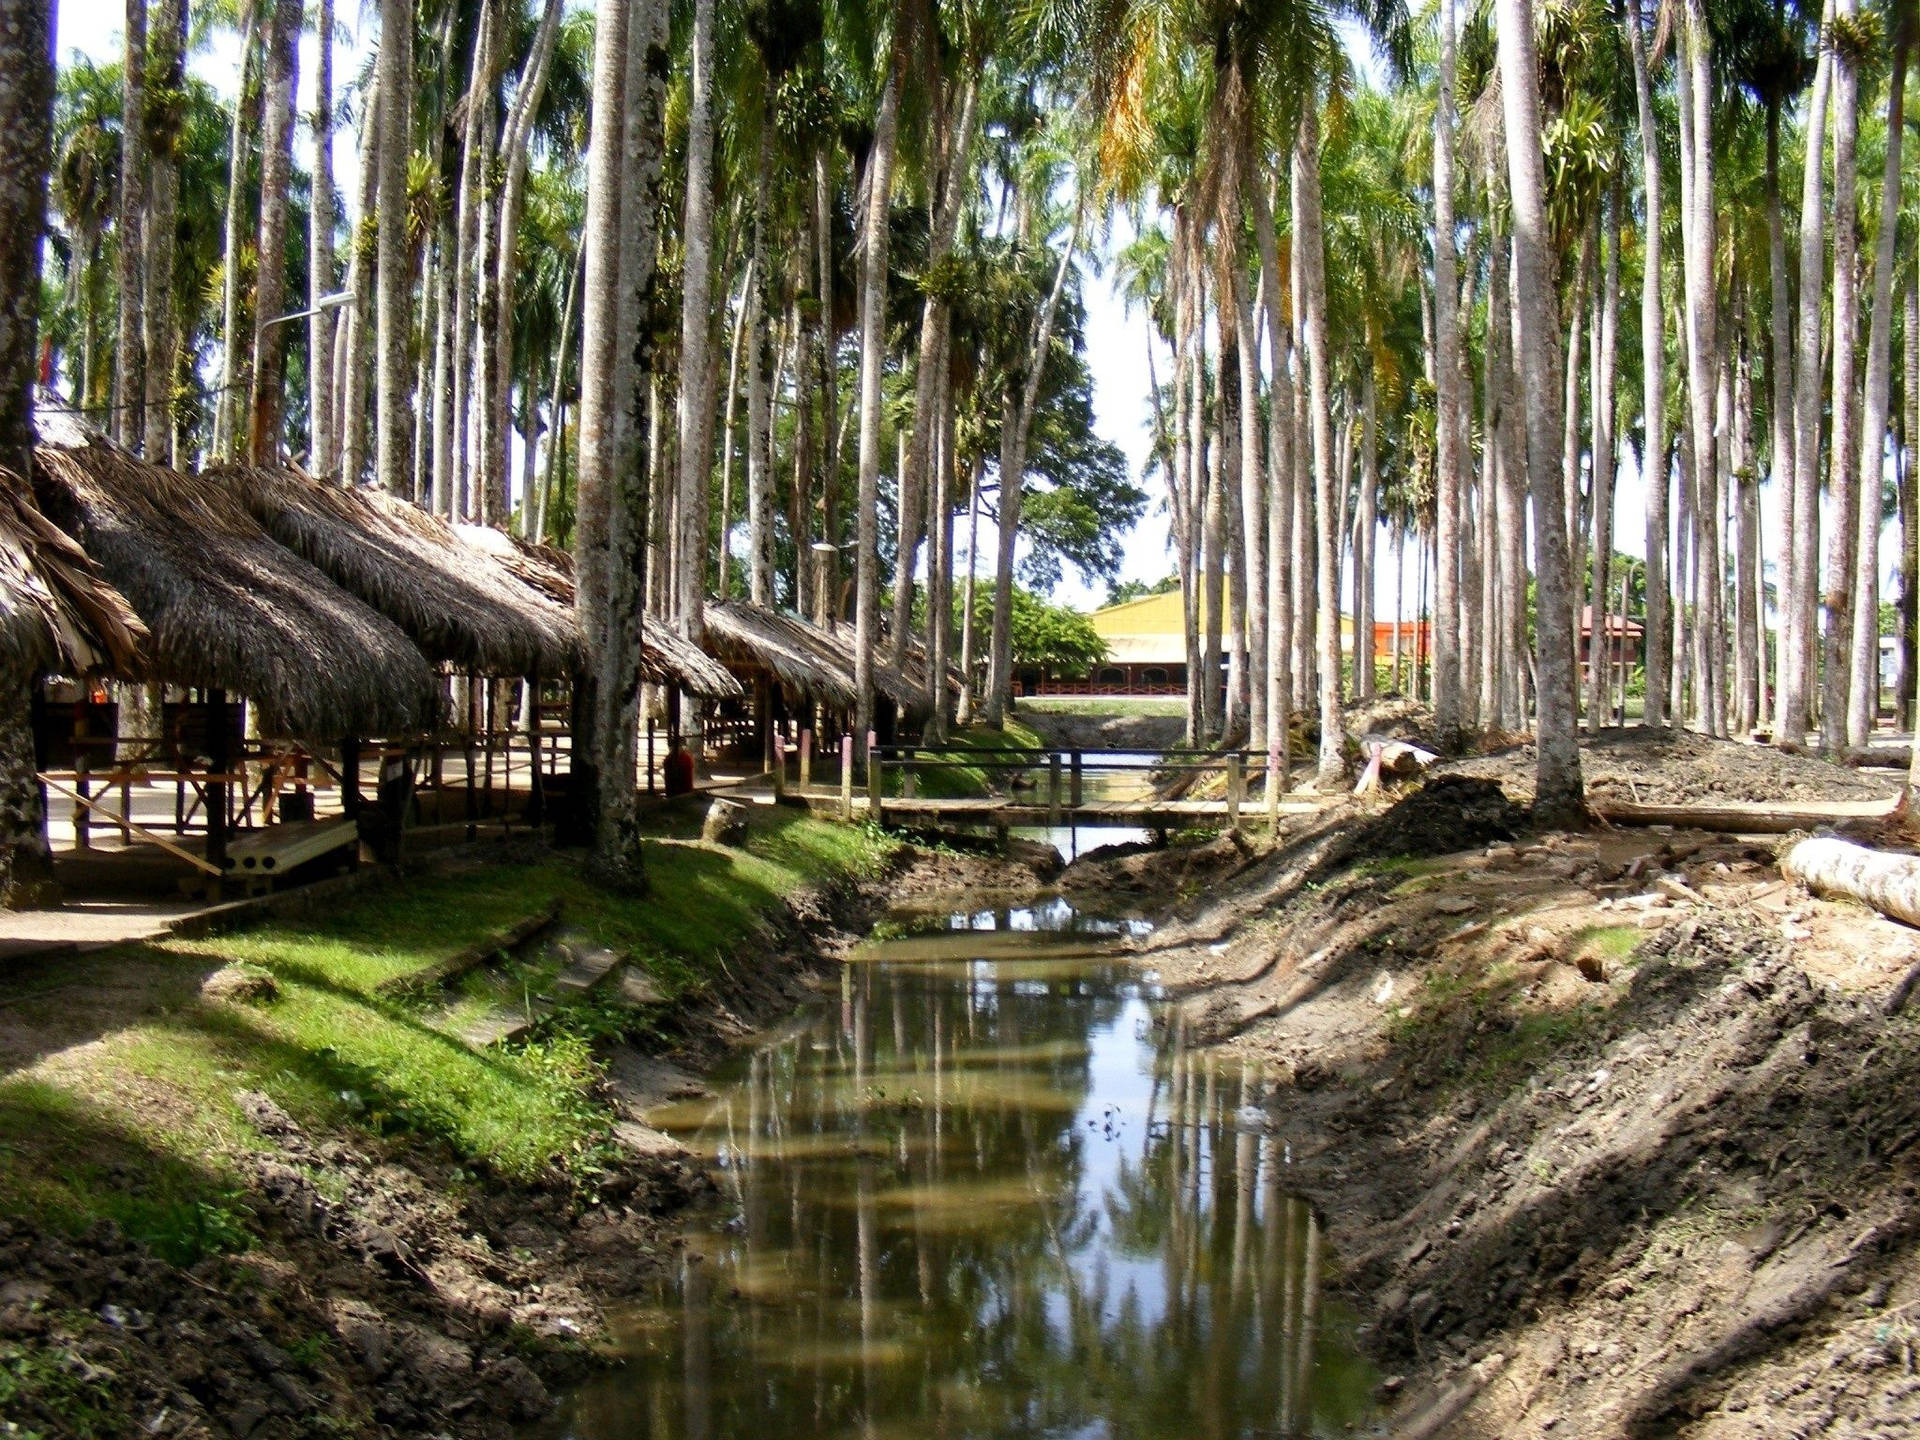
[
  {"x": 143, "y": 1127},
  {"x": 1106, "y": 704},
  {"x": 1613, "y": 943},
  {"x": 972, "y": 780}
]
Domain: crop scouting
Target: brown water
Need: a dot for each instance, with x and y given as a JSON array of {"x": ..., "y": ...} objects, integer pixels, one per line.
[{"x": 984, "y": 1196}]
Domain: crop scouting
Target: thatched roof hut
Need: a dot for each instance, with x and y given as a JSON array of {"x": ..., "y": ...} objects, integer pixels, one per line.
[
  {"x": 58, "y": 614},
  {"x": 666, "y": 656},
  {"x": 454, "y": 598},
  {"x": 807, "y": 661},
  {"x": 227, "y": 607}
]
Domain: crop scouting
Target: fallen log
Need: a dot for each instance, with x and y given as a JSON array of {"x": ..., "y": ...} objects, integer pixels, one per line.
[
  {"x": 1826, "y": 866},
  {"x": 1743, "y": 819}
]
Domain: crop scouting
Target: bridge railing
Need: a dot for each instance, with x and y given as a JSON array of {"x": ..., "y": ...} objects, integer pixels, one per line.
[{"x": 1061, "y": 773}]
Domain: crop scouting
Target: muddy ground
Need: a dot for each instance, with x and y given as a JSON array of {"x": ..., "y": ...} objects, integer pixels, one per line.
[
  {"x": 1615, "y": 1132},
  {"x": 390, "y": 1293}
]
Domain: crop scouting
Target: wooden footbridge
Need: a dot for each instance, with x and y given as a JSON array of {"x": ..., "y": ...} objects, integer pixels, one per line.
[{"x": 1054, "y": 788}]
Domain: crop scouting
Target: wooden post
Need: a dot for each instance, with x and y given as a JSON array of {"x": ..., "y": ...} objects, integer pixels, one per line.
[
  {"x": 82, "y": 840},
  {"x": 536, "y": 783},
  {"x": 1276, "y": 781},
  {"x": 846, "y": 777},
  {"x": 1053, "y": 790},
  {"x": 779, "y": 767},
  {"x": 1074, "y": 793},
  {"x": 650, "y": 780},
  {"x": 219, "y": 758},
  {"x": 1236, "y": 788},
  {"x": 350, "y": 778},
  {"x": 806, "y": 758},
  {"x": 876, "y": 782}
]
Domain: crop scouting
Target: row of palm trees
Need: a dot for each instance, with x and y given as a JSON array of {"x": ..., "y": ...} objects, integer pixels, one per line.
[{"x": 822, "y": 294}]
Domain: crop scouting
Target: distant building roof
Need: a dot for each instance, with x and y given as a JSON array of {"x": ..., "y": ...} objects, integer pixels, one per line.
[{"x": 1151, "y": 630}]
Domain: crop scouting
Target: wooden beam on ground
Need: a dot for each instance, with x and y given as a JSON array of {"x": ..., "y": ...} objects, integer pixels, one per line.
[{"x": 1745, "y": 819}]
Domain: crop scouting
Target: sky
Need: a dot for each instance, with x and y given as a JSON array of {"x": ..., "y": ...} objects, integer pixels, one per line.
[{"x": 1116, "y": 341}]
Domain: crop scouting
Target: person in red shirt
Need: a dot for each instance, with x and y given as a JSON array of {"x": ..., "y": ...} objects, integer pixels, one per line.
[{"x": 679, "y": 769}]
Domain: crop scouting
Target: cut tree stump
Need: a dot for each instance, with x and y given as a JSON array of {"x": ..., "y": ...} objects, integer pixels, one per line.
[{"x": 1826, "y": 866}]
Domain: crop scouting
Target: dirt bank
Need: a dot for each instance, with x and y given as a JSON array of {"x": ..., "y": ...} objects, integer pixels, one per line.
[
  {"x": 352, "y": 1269},
  {"x": 1614, "y": 1132}
]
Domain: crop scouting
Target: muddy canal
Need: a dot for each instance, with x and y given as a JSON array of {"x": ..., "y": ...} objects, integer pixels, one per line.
[{"x": 983, "y": 1195}]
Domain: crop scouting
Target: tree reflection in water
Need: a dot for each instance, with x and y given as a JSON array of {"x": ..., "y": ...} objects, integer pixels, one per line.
[{"x": 984, "y": 1196}]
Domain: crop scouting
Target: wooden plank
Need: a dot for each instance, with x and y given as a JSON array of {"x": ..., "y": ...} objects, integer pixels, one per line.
[
  {"x": 456, "y": 965},
  {"x": 198, "y": 862},
  {"x": 1740, "y": 818}
]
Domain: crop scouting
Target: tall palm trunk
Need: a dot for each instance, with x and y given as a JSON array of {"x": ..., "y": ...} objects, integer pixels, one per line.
[
  {"x": 227, "y": 405},
  {"x": 1843, "y": 489},
  {"x": 458, "y": 499},
  {"x": 26, "y": 142},
  {"x": 394, "y": 282},
  {"x": 321, "y": 450},
  {"x": 165, "y": 116},
  {"x": 1363, "y": 528},
  {"x": 1703, "y": 365},
  {"x": 1253, "y": 489},
  {"x": 955, "y": 145},
  {"x": 1281, "y": 617},
  {"x": 1558, "y": 791},
  {"x": 1653, "y": 371},
  {"x": 1780, "y": 379},
  {"x": 1313, "y": 300},
  {"x": 611, "y": 535},
  {"x": 873, "y": 287},
  {"x": 514, "y": 146},
  {"x": 358, "y": 319},
  {"x": 270, "y": 288},
  {"x": 696, "y": 328},
  {"x": 129, "y": 376},
  {"x": 1447, "y": 405},
  {"x": 1605, "y": 352},
  {"x": 1016, "y": 431},
  {"x": 1796, "y": 674},
  {"x": 759, "y": 393},
  {"x": 1865, "y": 687}
]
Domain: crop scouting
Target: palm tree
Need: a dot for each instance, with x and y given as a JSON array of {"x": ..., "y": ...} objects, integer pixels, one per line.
[
  {"x": 1842, "y": 490},
  {"x": 1863, "y": 708},
  {"x": 873, "y": 284},
  {"x": 1559, "y": 794},
  {"x": 1448, "y": 402},
  {"x": 393, "y": 301},
  {"x": 696, "y": 327},
  {"x": 129, "y": 382},
  {"x": 26, "y": 145},
  {"x": 321, "y": 452},
  {"x": 163, "y": 113},
  {"x": 1653, "y": 375},
  {"x": 270, "y": 288}
]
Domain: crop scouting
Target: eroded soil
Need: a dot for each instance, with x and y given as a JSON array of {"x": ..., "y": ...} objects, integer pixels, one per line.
[{"x": 1615, "y": 1132}]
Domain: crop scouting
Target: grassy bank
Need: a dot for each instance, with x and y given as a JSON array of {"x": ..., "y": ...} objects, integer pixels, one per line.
[
  {"x": 967, "y": 779},
  {"x": 119, "y": 1099}
]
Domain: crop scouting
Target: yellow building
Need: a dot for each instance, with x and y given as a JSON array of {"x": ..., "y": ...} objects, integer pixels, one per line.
[{"x": 1147, "y": 647}]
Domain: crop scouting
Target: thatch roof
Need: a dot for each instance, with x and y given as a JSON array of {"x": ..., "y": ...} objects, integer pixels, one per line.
[
  {"x": 809, "y": 662},
  {"x": 453, "y": 597},
  {"x": 227, "y": 607},
  {"x": 57, "y": 612},
  {"x": 666, "y": 656}
]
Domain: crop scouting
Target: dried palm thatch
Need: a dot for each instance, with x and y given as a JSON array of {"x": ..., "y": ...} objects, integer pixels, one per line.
[
  {"x": 452, "y": 597},
  {"x": 666, "y": 656},
  {"x": 809, "y": 663},
  {"x": 58, "y": 614},
  {"x": 226, "y": 606}
]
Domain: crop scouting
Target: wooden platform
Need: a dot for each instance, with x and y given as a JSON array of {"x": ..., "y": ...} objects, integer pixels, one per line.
[{"x": 1148, "y": 814}]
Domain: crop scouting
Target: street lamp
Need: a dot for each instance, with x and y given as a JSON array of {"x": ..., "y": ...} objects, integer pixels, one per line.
[{"x": 327, "y": 302}]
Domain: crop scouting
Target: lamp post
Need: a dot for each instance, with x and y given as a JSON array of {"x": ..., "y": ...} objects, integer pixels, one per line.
[
  {"x": 327, "y": 302},
  {"x": 824, "y": 551}
]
